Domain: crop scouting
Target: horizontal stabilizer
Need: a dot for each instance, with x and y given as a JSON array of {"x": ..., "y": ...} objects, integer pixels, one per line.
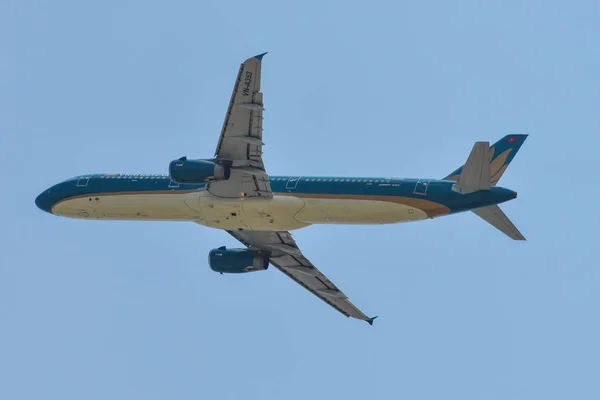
[
  {"x": 494, "y": 216},
  {"x": 475, "y": 173}
]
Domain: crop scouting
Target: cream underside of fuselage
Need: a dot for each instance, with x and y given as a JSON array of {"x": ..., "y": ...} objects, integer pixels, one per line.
[{"x": 282, "y": 212}]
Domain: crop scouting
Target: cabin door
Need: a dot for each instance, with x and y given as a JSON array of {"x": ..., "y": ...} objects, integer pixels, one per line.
[
  {"x": 292, "y": 182},
  {"x": 83, "y": 181},
  {"x": 421, "y": 187}
]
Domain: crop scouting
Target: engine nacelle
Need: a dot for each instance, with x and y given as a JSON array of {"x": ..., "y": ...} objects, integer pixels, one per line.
[
  {"x": 197, "y": 171},
  {"x": 235, "y": 261}
]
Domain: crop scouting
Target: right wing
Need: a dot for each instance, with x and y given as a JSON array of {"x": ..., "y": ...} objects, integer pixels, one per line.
[{"x": 287, "y": 257}]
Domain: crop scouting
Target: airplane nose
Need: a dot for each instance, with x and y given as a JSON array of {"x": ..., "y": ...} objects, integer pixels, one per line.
[{"x": 44, "y": 201}]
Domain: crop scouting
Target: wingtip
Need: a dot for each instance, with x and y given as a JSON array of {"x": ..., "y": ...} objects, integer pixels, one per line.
[
  {"x": 370, "y": 320},
  {"x": 260, "y": 56}
]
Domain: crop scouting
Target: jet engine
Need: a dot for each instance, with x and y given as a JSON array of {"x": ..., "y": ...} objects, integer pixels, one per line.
[
  {"x": 197, "y": 171},
  {"x": 235, "y": 261}
]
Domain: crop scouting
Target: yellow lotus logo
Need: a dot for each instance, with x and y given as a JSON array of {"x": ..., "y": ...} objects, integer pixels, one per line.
[{"x": 498, "y": 166}]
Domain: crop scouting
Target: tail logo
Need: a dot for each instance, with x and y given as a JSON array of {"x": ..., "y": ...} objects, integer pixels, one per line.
[
  {"x": 498, "y": 166},
  {"x": 501, "y": 154}
]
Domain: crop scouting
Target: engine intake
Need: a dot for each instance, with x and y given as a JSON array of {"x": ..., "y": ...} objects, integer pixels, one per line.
[
  {"x": 197, "y": 171},
  {"x": 235, "y": 261}
]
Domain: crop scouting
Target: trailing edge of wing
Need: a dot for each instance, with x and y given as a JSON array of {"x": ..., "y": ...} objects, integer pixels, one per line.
[{"x": 494, "y": 216}]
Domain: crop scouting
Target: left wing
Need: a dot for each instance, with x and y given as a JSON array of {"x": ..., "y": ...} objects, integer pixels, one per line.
[
  {"x": 240, "y": 143},
  {"x": 287, "y": 257}
]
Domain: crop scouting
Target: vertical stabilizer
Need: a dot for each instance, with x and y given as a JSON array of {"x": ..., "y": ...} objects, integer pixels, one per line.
[{"x": 501, "y": 155}]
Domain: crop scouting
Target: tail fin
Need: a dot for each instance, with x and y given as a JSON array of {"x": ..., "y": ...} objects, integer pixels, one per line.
[
  {"x": 494, "y": 216},
  {"x": 501, "y": 154}
]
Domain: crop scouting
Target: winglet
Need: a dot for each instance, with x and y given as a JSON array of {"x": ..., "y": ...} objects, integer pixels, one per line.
[
  {"x": 370, "y": 320},
  {"x": 260, "y": 56}
]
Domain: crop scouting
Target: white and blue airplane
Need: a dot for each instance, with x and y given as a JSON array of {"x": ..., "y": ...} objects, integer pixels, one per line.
[{"x": 233, "y": 192}]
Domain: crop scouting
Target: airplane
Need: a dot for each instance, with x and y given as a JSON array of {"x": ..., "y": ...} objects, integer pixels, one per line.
[{"x": 233, "y": 192}]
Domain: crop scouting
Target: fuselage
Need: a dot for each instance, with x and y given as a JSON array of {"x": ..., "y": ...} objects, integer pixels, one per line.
[{"x": 298, "y": 201}]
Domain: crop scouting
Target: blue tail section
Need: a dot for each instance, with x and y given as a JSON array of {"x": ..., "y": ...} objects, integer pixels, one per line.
[{"x": 501, "y": 154}]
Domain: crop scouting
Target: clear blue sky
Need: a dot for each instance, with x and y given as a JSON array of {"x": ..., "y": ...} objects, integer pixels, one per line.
[{"x": 131, "y": 310}]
